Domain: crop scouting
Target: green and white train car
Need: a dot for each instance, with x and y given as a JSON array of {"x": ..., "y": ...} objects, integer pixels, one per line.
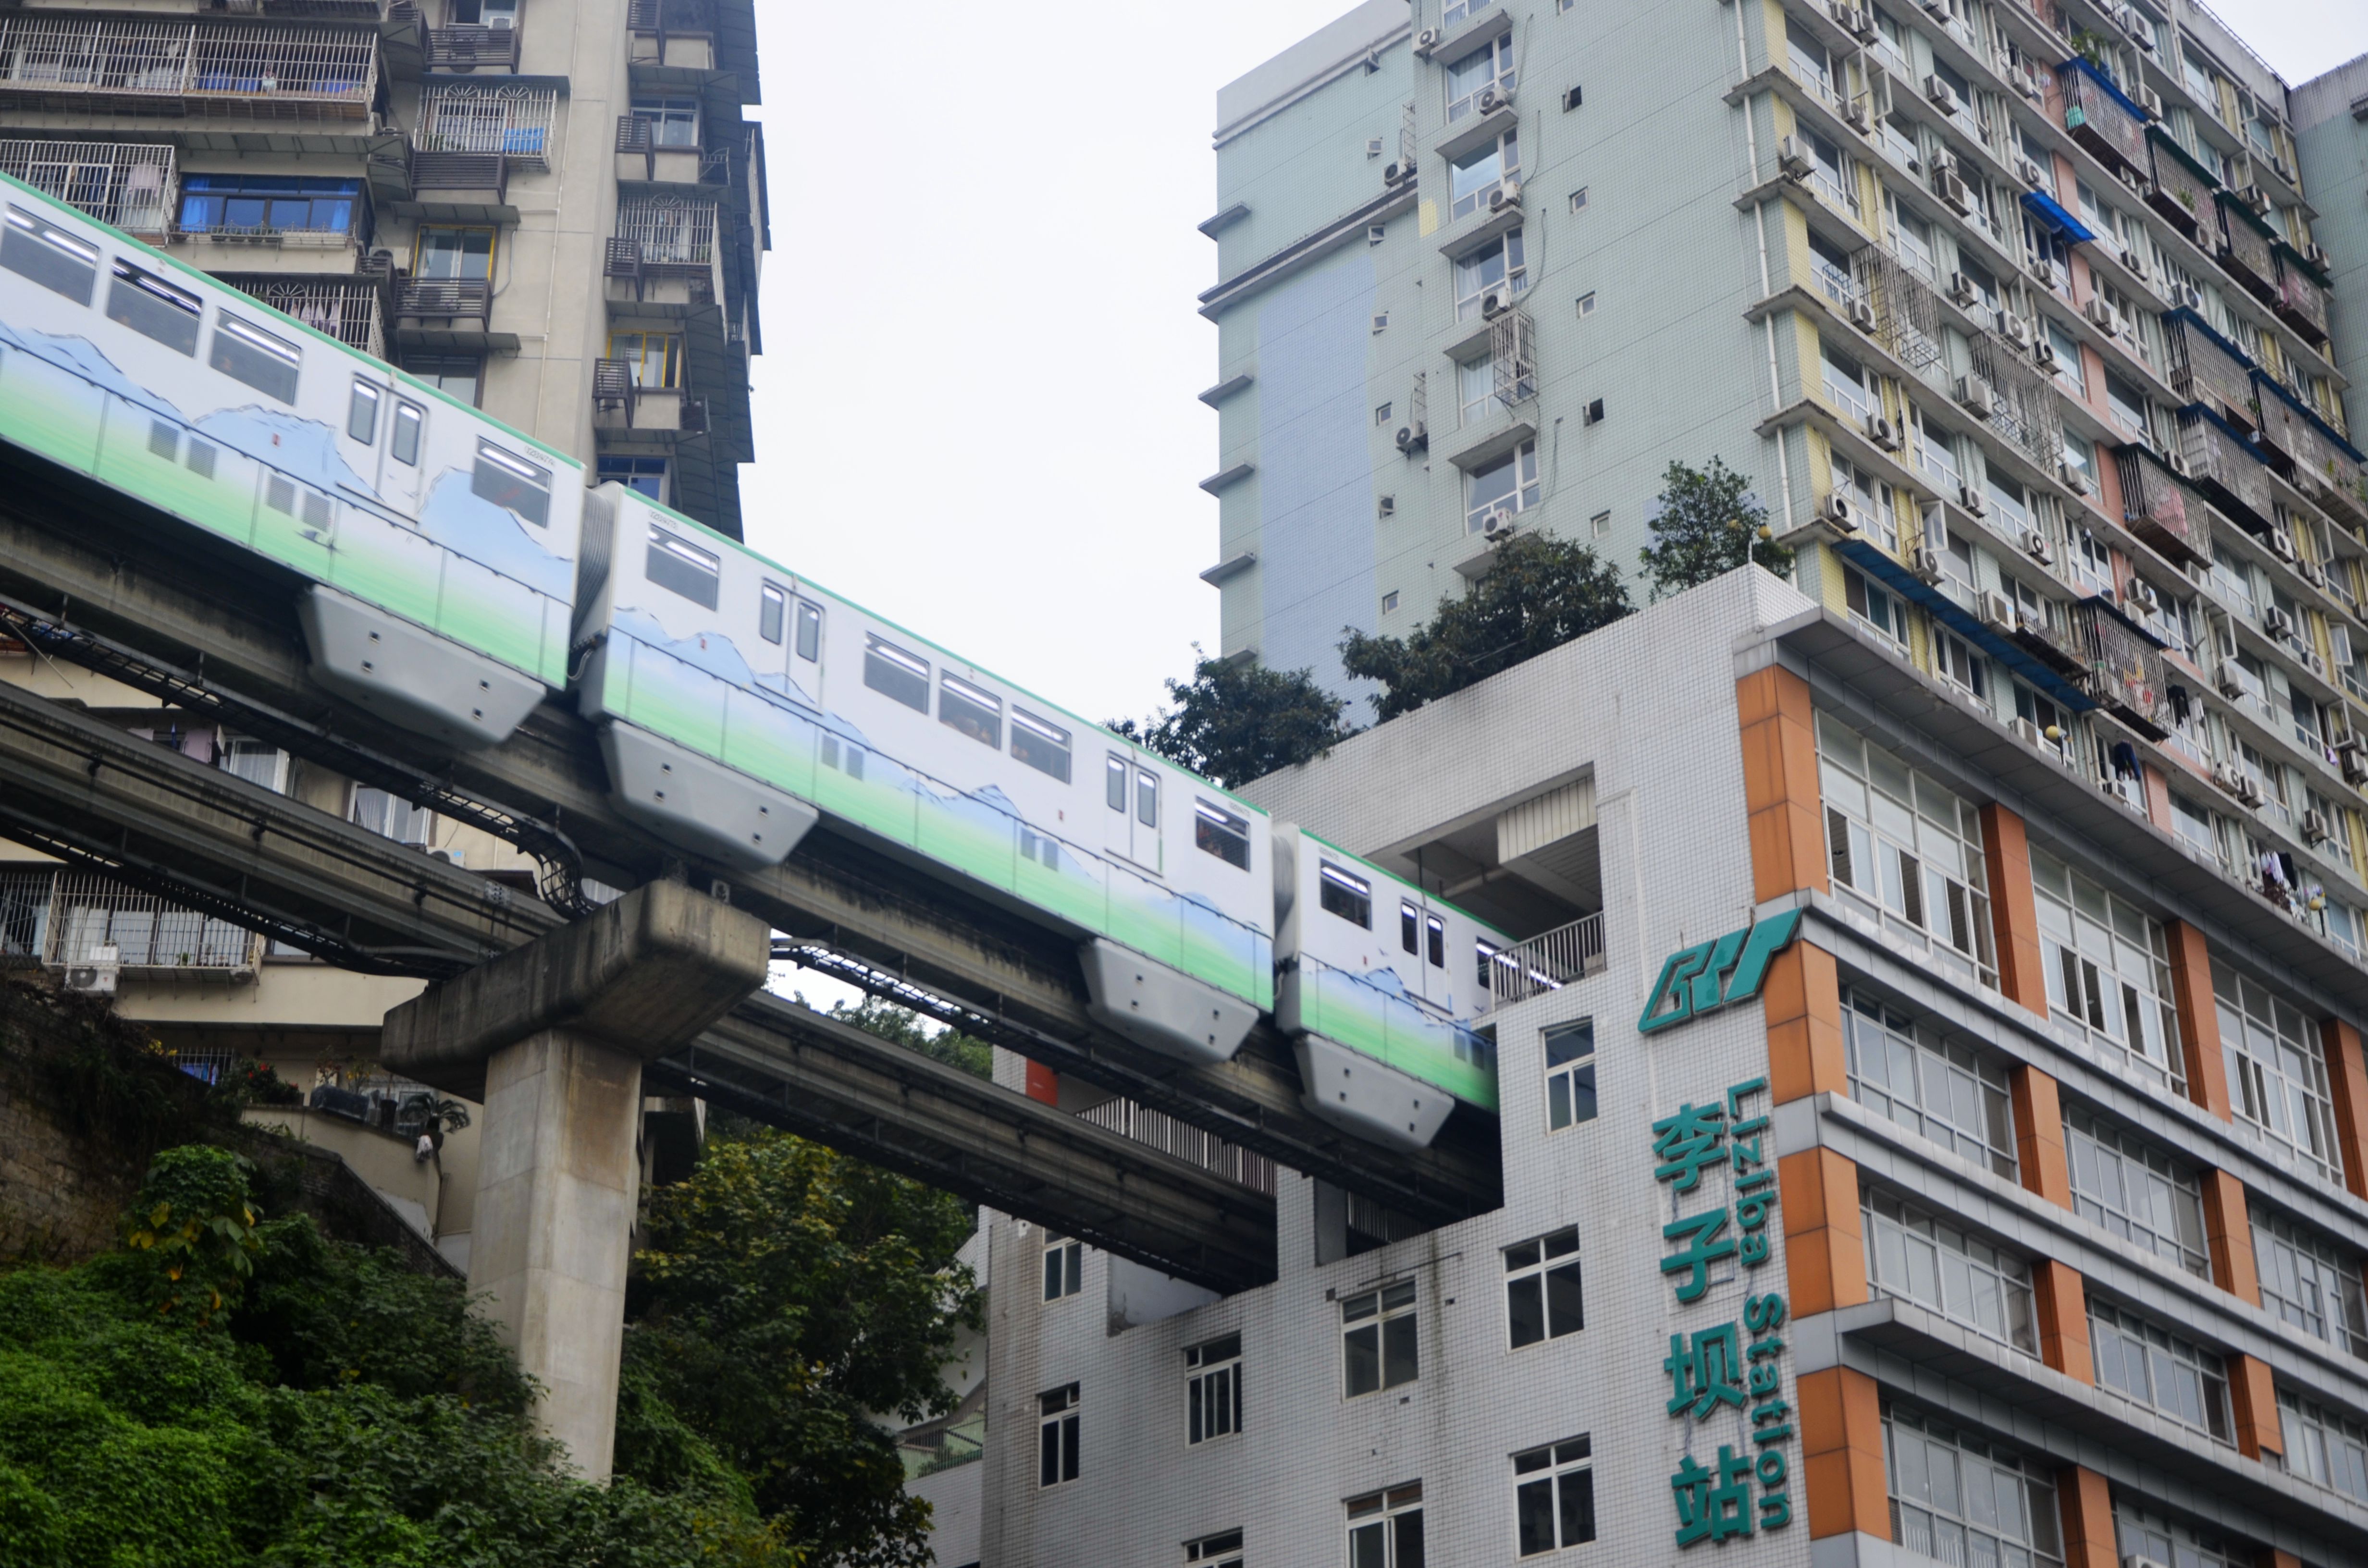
[{"x": 438, "y": 545}]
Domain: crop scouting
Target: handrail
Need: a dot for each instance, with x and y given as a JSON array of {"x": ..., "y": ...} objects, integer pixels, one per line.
[{"x": 1547, "y": 961}]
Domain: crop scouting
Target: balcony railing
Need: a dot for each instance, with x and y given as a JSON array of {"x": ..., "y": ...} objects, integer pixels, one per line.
[
  {"x": 91, "y": 63},
  {"x": 71, "y": 920},
  {"x": 2222, "y": 465},
  {"x": 2160, "y": 509},
  {"x": 2181, "y": 190},
  {"x": 613, "y": 388},
  {"x": 461, "y": 171},
  {"x": 2244, "y": 250},
  {"x": 2206, "y": 369},
  {"x": 473, "y": 49},
  {"x": 444, "y": 299},
  {"x": 2101, "y": 119},
  {"x": 1547, "y": 962},
  {"x": 2125, "y": 673},
  {"x": 127, "y": 183},
  {"x": 2302, "y": 301},
  {"x": 1906, "y": 313},
  {"x": 665, "y": 233},
  {"x": 1157, "y": 1130},
  {"x": 2024, "y": 408},
  {"x": 669, "y": 17},
  {"x": 348, "y": 311},
  {"x": 2312, "y": 455},
  {"x": 515, "y": 122}
]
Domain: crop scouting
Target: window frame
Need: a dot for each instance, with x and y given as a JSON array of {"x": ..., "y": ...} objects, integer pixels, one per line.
[
  {"x": 1063, "y": 1275},
  {"x": 1395, "y": 1303},
  {"x": 1878, "y": 1038},
  {"x": 1213, "y": 1390},
  {"x": 1540, "y": 1264},
  {"x": 1565, "y": 1470},
  {"x": 1388, "y": 1515},
  {"x": 1568, "y": 1051},
  {"x": 1057, "y": 1434}
]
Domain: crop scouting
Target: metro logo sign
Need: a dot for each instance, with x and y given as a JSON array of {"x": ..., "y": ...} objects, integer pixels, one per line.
[{"x": 1706, "y": 977}]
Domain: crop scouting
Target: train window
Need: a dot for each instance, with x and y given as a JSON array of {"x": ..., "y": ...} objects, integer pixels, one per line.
[
  {"x": 153, "y": 307},
  {"x": 1043, "y": 746},
  {"x": 772, "y": 606},
  {"x": 1146, "y": 797},
  {"x": 1409, "y": 928},
  {"x": 410, "y": 419},
  {"x": 809, "y": 632},
  {"x": 199, "y": 456},
  {"x": 361, "y": 413},
  {"x": 249, "y": 354},
  {"x": 1115, "y": 783},
  {"x": 49, "y": 255},
  {"x": 164, "y": 439},
  {"x": 1346, "y": 895},
  {"x": 975, "y": 711},
  {"x": 1220, "y": 833},
  {"x": 892, "y": 672},
  {"x": 682, "y": 567},
  {"x": 512, "y": 482},
  {"x": 1438, "y": 928}
]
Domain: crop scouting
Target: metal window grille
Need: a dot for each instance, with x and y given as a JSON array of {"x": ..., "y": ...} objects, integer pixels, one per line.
[
  {"x": 1159, "y": 1131},
  {"x": 25, "y": 899},
  {"x": 151, "y": 934},
  {"x": 347, "y": 312},
  {"x": 1548, "y": 961},
  {"x": 1513, "y": 350},
  {"x": 668, "y": 233},
  {"x": 188, "y": 68},
  {"x": 1906, "y": 315},
  {"x": 125, "y": 184},
  {"x": 2026, "y": 411},
  {"x": 515, "y": 122}
]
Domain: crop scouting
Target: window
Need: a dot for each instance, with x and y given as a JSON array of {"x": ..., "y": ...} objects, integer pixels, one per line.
[
  {"x": 970, "y": 709},
  {"x": 410, "y": 423},
  {"x": 2169, "y": 1375},
  {"x": 1553, "y": 1495},
  {"x": 1508, "y": 484},
  {"x": 150, "y": 306},
  {"x": 2108, "y": 966},
  {"x": 257, "y": 762},
  {"x": 1830, "y": 174},
  {"x": 2277, "y": 1075},
  {"x": 2149, "y": 1534},
  {"x": 1956, "y": 1498},
  {"x": 1599, "y": 526},
  {"x": 1146, "y": 797},
  {"x": 1039, "y": 742},
  {"x": 457, "y": 376},
  {"x": 1498, "y": 267},
  {"x": 1578, "y": 200},
  {"x": 1390, "y": 601},
  {"x": 263, "y": 360},
  {"x": 1543, "y": 1295},
  {"x": 361, "y": 412},
  {"x": 485, "y": 13},
  {"x": 1212, "y": 1388},
  {"x": 1903, "y": 845},
  {"x": 679, "y": 566},
  {"x": 1386, "y": 1529},
  {"x": 646, "y": 476},
  {"x": 1490, "y": 66},
  {"x": 1940, "y": 1089},
  {"x": 1570, "y": 1073},
  {"x": 1847, "y": 387},
  {"x": 671, "y": 123},
  {"x": 1056, "y": 1436},
  {"x": 1377, "y": 1342},
  {"x": 2069, "y": 371},
  {"x": 1217, "y": 830},
  {"x": 1925, "y": 1260},
  {"x": 772, "y": 612},
  {"x": 653, "y": 360},
  {"x": 1064, "y": 1265},
  {"x": 2324, "y": 1447},
  {"x": 810, "y": 650},
  {"x": 509, "y": 480},
  {"x": 2135, "y": 1190},
  {"x": 2307, "y": 1280},
  {"x": 451, "y": 255},
  {"x": 1346, "y": 895},
  {"x": 1587, "y": 303},
  {"x": 1475, "y": 176},
  {"x": 1957, "y": 662},
  {"x": 1214, "y": 1550},
  {"x": 391, "y": 816},
  {"x": 268, "y": 204},
  {"x": 894, "y": 673}
]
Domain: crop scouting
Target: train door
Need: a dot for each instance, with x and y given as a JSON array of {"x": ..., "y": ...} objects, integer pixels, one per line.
[
  {"x": 1132, "y": 805},
  {"x": 392, "y": 430}
]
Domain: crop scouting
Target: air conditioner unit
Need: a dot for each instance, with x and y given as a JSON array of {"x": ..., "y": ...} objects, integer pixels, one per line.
[
  {"x": 2255, "y": 197},
  {"x": 1498, "y": 524},
  {"x": 2314, "y": 826},
  {"x": 2312, "y": 573},
  {"x": 1494, "y": 98},
  {"x": 2187, "y": 296},
  {"x": 1397, "y": 174},
  {"x": 2029, "y": 732},
  {"x": 1963, "y": 292},
  {"x": 2282, "y": 547},
  {"x": 2101, "y": 313},
  {"x": 2073, "y": 479},
  {"x": 2037, "y": 545},
  {"x": 2229, "y": 684},
  {"x": 2033, "y": 85},
  {"x": 1427, "y": 39},
  {"x": 1860, "y": 25},
  {"x": 2226, "y": 777},
  {"x": 2178, "y": 463},
  {"x": 1943, "y": 97},
  {"x": 2133, "y": 263},
  {"x": 1974, "y": 394},
  {"x": 1412, "y": 437},
  {"x": 1495, "y": 302},
  {"x": 96, "y": 974},
  {"x": 2355, "y": 765},
  {"x": 2014, "y": 329},
  {"x": 1792, "y": 160},
  {"x": 2150, "y": 101},
  {"x": 2139, "y": 595},
  {"x": 1950, "y": 189},
  {"x": 1838, "y": 512},
  {"x": 1882, "y": 432},
  {"x": 2028, "y": 171},
  {"x": 2314, "y": 663},
  {"x": 1859, "y": 117},
  {"x": 1970, "y": 498},
  {"x": 2277, "y": 623},
  {"x": 1861, "y": 314},
  {"x": 1507, "y": 194},
  {"x": 1926, "y": 562},
  {"x": 1997, "y": 612},
  {"x": 2042, "y": 353},
  {"x": 2249, "y": 793},
  {"x": 2316, "y": 254}
]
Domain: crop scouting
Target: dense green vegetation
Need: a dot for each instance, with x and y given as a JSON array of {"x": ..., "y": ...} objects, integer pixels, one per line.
[
  {"x": 1706, "y": 522},
  {"x": 1236, "y": 720}
]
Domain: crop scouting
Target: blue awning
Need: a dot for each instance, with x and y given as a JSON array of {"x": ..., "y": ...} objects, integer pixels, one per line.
[
  {"x": 2053, "y": 214},
  {"x": 1964, "y": 622}
]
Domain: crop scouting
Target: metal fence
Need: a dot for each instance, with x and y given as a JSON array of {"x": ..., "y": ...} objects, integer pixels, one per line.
[
  {"x": 2025, "y": 410},
  {"x": 127, "y": 183},
  {"x": 1548, "y": 961},
  {"x": 195, "y": 68},
  {"x": 347, "y": 312},
  {"x": 88, "y": 912},
  {"x": 668, "y": 233},
  {"x": 1159, "y": 1131},
  {"x": 514, "y": 121}
]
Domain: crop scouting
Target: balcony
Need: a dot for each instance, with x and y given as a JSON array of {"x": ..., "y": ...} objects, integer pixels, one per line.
[
  {"x": 1157, "y": 1130},
  {"x": 664, "y": 253},
  {"x": 2221, "y": 464},
  {"x": 348, "y": 311},
  {"x": 641, "y": 156},
  {"x": 447, "y": 313},
  {"x": 2205, "y": 368},
  {"x": 473, "y": 49},
  {"x": 2101, "y": 119},
  {"x": 1547, "y": 962},
  {"x": 94, "y": 930},
  {"x": 2244, "y": 251},
  {"x": 2160, "y": 509},
  {"x": 2126, "y": 670},
  {"x": 2024, "y": 408},
  {"x": 126, "y": 184},
  {"x": 86, "y": 64},
  {"x": 514, "y": 123},
  {"x": 2181, "y": 190},
  {"x": 1906, "y": 313},
  {"x": 2301, "y": 301},
  {"x": 678, "y": 34},
  {"x": 620, "y": 405},
  {"x": 2321, "y": 464}
]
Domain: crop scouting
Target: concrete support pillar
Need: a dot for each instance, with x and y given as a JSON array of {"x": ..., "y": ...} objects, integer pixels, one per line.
[
  {"x": 2038, "y": 1135},
  {"x": 551, "y": 1037},
  {"x": 2228, "y": 1232},
  {"x": 2199, "y": 1018},
  {"x": 2085, "y": 1502}
]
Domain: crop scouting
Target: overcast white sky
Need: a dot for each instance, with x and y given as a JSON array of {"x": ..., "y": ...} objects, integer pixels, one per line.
[{"x": 975, "y": 412}]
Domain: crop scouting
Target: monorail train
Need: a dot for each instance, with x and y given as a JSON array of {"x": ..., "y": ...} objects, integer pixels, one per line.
[
  {"x": 440, "y": 544},
  {"x": 455, "y": 567}
]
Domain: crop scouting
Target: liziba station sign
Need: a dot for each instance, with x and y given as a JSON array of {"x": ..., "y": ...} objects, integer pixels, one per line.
[{"x": 1726, "y": 1373}]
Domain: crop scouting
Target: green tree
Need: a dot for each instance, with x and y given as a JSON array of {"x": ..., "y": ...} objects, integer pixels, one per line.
[
  {"x": 904, "y": 1027},
  {"x": 787, "y": 1294},
  {"x": 194, "y": 1226},
  {"x": 1704, "y": 525},
  {"x": 1236, "y": 719},
  {"x": 1543, "y": 592}
]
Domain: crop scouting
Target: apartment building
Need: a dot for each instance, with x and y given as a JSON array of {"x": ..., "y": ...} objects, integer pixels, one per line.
[{"x": 553, "y": 211}]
